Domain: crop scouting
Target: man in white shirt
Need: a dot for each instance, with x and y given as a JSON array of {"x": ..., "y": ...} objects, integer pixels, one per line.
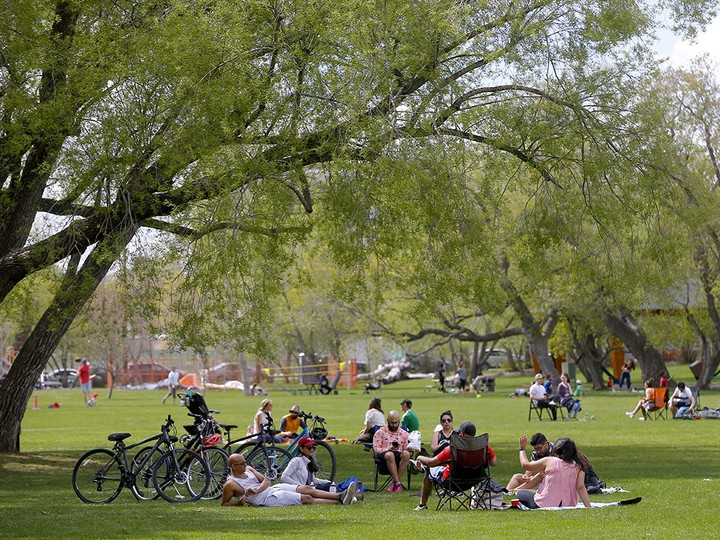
[
  {"x": 682, "y": 401},
  {"x": 173, "y": 384},
  {"x": 539, "y": 395}
]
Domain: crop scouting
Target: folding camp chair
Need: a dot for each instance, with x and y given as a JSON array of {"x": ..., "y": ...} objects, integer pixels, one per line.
[
  {"x": 659, "y": 408},
  {"x": 539, "y": 411},
  {"x": 469, "y": 480},
  {"x": 380, "y": 469}
]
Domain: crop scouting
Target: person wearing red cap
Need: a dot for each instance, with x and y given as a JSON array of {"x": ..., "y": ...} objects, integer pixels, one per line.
[{"x": 300, "y": 469}]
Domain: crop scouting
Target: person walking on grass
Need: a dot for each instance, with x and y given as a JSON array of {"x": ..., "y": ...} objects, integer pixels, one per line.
[{"x": 173, "y": 384}]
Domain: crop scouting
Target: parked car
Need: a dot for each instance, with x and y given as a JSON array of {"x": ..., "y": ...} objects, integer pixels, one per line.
[
  {"x": 144, "y": 372},
  {"x": 64, "y": 377}
]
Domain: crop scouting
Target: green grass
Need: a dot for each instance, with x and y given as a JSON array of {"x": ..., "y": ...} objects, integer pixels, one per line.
[{"x": 673, "y": 465}]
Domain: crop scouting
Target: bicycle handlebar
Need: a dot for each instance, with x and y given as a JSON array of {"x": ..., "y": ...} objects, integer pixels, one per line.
[{"x": 309, "y": 416}]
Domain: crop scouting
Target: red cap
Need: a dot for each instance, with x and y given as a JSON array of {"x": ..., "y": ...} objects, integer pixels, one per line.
[{"x": 306, "y": 442}]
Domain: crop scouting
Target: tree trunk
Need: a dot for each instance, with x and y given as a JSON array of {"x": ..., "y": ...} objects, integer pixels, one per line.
[
  {"x": 76, "y": 289},
  {"x": 626, "y": 327}
]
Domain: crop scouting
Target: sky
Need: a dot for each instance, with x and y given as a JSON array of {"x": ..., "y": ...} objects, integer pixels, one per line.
[{"x": 681, "y": 52}]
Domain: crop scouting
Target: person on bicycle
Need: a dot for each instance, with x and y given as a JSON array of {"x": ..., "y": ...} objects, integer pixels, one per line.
[
  {"x": 292, "y": 423},
  {"x": 248, "y": 486}
]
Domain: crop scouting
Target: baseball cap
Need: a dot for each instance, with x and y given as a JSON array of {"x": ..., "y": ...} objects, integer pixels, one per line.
[
  {"x": 406, "y": 402},
  {"x": 681, "y": 385},
  {"x": 539, "y": 376},
  {"x": 467, "y": 428},
  {"x": 306, "y": 442},
  {"x": 578, "y": 381}
]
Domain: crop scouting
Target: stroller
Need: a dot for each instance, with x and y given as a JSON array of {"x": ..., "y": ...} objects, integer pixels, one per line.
[{"x": 204, "y": 428}]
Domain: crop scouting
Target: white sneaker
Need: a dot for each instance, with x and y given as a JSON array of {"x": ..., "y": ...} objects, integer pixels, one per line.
[
  {"x": 348, "y": 494},
  {"x": 641, "y": 418},
  {"x": 630, "y": 414},
  {"x": 421, "y": 507}
]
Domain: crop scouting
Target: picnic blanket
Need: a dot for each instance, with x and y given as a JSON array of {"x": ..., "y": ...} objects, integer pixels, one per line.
[{"x": 592, "y": 505}]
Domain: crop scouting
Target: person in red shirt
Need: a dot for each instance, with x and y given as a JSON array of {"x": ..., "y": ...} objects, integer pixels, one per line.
[
  {"x": 85, "y": 381},
  {"x": 438, "y": 468}
]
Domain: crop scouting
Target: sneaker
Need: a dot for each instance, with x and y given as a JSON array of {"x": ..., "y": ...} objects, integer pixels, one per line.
[
  {"x": 421, "y": 507},
  {"x": 641, "y": 418},
  {"x": 630, "y": 414},
  {"x": 348, "y": 494},
  {"x": 398, "y": 488},
  {"x": 392, "y": 487}
]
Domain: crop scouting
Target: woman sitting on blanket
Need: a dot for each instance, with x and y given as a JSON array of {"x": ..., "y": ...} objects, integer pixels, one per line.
[{"x": 563, "y": 476}]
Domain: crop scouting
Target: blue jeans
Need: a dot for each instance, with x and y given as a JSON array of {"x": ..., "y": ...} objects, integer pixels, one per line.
[{"x": 625, "y": 377}]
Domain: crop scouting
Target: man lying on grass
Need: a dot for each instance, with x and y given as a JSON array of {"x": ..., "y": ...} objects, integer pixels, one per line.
[{"x": 248, "y": 486}]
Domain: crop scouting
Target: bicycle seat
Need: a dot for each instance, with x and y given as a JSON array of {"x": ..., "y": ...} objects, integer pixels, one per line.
[
  {"x": 227, "y": 426},
  {"x": 118, "y": 436}
]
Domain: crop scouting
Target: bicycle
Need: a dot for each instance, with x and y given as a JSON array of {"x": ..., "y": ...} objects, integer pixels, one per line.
[
  {"x": 324, "y": 454},
  {"x": 202, "y": 438},
  {"x": 176, "y": 475}
]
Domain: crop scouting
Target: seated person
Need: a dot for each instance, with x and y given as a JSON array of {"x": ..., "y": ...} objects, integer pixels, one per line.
[
  {"x": 325, "y": 387},
  {"x": 437, "y": 469},
  {"x": 541, "y": 397},
  {"x": 373, "y": 417},
  {"x": 541, "y": 448},
  {"x": 573, "y": 406},
  {"x": 646, "y": 403},
  {"x": 563, "y": 477},
  {"x": 291, "y": 423},
  {"x": 682, "y": 401},
  {"x": 390, "y": 449},
  {"x": 410, "y": 420},
  {"x": 248, "y": 486},
  {"x": 441, "y": 437}
]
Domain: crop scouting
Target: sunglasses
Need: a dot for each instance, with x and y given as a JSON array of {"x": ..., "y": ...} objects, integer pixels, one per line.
[
  {"x": 311, "y": 448},
  {"x": 446, "y": 420}
]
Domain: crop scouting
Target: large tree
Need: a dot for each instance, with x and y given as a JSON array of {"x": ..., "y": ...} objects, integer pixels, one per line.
[{"x": 220, "y": 122}]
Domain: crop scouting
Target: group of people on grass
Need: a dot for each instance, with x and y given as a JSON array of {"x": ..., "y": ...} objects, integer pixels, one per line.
[
  {"x": 564, "y": 396},
  {"x": 557, "y": 471}
]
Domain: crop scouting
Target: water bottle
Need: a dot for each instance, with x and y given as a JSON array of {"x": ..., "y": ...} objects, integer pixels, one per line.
[{"x": 586, "y": 417}]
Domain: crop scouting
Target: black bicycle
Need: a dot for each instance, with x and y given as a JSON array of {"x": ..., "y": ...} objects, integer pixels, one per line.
[
  {"x": 203, "y": 437},
  {"x": 159, "y": 470}
]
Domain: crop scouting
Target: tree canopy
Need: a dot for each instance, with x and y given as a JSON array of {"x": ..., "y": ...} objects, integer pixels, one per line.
[{"x": 234, "y": 129}]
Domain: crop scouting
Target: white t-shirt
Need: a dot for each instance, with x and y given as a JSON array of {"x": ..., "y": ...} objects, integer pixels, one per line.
[
  {"x": 683, "y": 395},
  {"x": 537, "y": 391},
  {"x": 373, "y": 417}
]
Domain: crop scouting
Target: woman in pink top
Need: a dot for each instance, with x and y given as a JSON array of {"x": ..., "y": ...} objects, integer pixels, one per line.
[{"x": 563, "y": 477}]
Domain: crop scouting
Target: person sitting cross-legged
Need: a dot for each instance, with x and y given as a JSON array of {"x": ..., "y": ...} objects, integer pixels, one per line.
[
  {"x": 438, "y": 468},
  {"x": 247, "y": 486},
  {"x": 390, "y": 449}
]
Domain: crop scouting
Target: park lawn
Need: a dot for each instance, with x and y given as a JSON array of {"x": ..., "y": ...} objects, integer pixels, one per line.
[{"x": 673, "y": 465}]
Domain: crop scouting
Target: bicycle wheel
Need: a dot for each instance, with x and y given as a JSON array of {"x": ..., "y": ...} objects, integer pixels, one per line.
[
  {"x": 270, "y": 461},
  {"x": 143, "y": 488},
  {"x": 326, "y": 461},
  {"x": 97, "y": 477},
  {"x": 181, "y": 476},
  {"x": 217, "y": 462},
  {"x": 245, "y": 449}
]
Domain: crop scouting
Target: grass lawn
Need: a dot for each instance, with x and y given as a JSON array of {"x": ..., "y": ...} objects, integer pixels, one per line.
[{"x": 673, "y": 465}]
